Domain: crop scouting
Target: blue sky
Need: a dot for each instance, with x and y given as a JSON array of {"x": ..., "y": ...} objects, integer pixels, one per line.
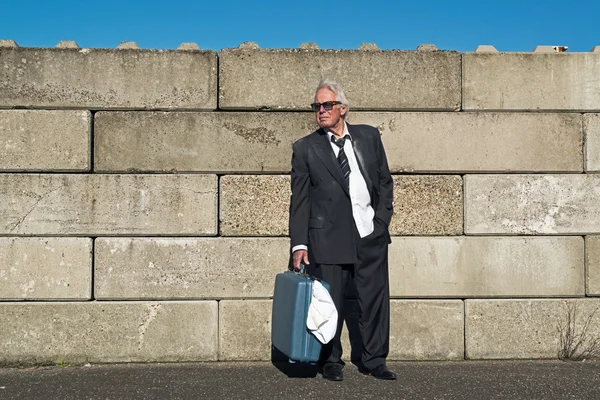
[{"x": 333, "y": 24}]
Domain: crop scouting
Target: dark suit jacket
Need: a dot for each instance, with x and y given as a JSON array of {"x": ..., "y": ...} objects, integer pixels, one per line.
[{"x": 320, "y": 207}]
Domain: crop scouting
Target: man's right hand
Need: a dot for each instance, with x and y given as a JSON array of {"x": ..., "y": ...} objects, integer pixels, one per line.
[{"x": 300, "y": 256}]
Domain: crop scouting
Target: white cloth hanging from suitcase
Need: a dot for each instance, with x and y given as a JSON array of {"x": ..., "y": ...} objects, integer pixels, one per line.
[{"x": 322, "y": 314}]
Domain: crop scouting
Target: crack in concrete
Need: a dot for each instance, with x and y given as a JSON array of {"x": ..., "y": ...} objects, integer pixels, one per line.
[
  {"x": 152, "y": 313},
  {"x": 175, "y": 188},
  {"x": 21, "y": 220}
]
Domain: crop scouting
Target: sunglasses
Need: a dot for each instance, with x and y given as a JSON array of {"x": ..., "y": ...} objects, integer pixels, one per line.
[{"x": 327, "y": 106}]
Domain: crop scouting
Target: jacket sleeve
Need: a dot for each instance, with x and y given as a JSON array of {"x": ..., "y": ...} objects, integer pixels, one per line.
[
  {"x": 385, "y": 205},
  {"x": 300, "y": 200}
]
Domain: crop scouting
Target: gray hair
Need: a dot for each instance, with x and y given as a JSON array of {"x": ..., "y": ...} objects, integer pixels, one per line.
[{"x": 336, "y": 88}]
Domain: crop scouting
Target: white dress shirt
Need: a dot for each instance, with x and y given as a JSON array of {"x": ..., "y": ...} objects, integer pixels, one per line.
[{"x": 362, "y": 211}]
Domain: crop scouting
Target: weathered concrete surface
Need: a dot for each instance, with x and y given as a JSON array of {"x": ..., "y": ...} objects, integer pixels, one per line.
[
  {"x": 108, "y": 78},
  {"x": 186, "y": 268},
  {"x": 527, "y": 81},
  {"x": 285, "y": 79},
  {"x": 532, "y": 204},
  {"x": 254, "y": 142},
  {"x": 45, "y": 268},
  {"x": 419, "y": 330},
  {"x": 245, "y": 329},
  {"x": 54, "y": 204},
  {"x": 253, "y": 205},
  {"x": 128, "y": 45},
  {"x": 486, "y": 266},
  {"x": 108, "y": 332},
  {"x": 215, "y": 142},
  {"x": 592, "y": 265},
  {"x": 515, "y": 328},
  {"x": 591, "y": 126},
  {"x": 67, "y": 44},
  {"x": 486, "y": 48},
  {"x": 427, "y": 205},
  {"x": 45, "y": 140},
  {"x": 8, "y": 43},
  {"x": 478, "y": 142},
  {"x": 259, "y": 205}
]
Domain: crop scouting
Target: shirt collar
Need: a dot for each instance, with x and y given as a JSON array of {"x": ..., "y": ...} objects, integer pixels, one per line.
[{"x": 346, "y": 133}]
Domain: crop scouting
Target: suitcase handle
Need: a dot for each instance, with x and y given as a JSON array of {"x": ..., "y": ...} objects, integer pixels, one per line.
[
  {"x": 303, "y": 273},
  {"x": 302, "y": 269}
]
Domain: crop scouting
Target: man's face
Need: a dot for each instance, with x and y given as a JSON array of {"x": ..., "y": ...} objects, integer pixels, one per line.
[{"x": 332, "y": 118}]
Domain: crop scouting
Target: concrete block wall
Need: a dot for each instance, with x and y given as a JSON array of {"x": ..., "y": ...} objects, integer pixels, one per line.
[{"x": 144, "y": 197}]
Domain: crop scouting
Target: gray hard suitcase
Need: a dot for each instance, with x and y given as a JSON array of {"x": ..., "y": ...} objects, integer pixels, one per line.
[{"x": 289, "y": 334}]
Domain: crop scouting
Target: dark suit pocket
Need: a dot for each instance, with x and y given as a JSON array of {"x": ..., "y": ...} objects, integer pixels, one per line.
[
  {"x": 380, "y": 231},
  {"x": 315, "y": 223}
]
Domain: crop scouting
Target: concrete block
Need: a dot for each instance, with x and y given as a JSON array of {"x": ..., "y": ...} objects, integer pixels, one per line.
[
  {"x": 261, "y": 142},
  {"x": 531, "y": 81},
  {"x": 484, "y": 48},
  {"x": 45, "y": 268},
  {"x": 309, "y": 46},
  {"x": 505, "y": 329},
  {"x": 427, "y": 47},
  {"x": 188, "y": 46},
  {"x": 216, "y": 142},
  {"x": 253, "y": 205},
  {"x": 464, "y": 142},
  {"x": 8, "y": 43},
  {"x": 532, "y": 204},
  {"x": 591, "y": 127},
  {"x": 592, "y": 265},
  {"x": 595, "y": 49},
  {"x": 486, "y": 266},
  {"x": 67, "y": 44},
  {"x": 128, "y": 45},
  {"x": 108, "y": 79},
  {"x": 249, "y": 46},
  {"x": 419, "y": 330},
  {"x": 198, "y": 268},
  {"x": 36, "y": 140},
  {"x": 245, "y": 330},
  {"x": 368, "y": 47},
  {"x": 259, "y": 205},
  {"x": 95, "y": 205},
  {"x": 106, "y": 332},
  {"x": 427, "y": 205},
  {"x": 550, "y": 49},
  {"x": 285, "y": 79}
]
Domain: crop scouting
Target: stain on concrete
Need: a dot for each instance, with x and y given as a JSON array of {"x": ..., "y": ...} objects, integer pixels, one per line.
[{"x": 253, "y": 135}]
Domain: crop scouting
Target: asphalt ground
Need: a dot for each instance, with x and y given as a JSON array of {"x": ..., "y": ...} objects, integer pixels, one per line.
[{"x": 264, "y": 380}]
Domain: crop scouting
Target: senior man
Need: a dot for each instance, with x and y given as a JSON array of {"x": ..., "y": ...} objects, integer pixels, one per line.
[{"x": 340, "y": 210}]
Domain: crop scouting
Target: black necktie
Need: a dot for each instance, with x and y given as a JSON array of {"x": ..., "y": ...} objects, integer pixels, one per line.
[{"x": 342, "y": 158}]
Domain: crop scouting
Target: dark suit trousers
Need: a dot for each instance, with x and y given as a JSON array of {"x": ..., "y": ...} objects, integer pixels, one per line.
[{"x": 370, "y": 277}]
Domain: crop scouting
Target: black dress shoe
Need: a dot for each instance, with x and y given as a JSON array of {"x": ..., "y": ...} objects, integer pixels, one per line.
[
  {"x": 333, "y": 372},
  {"x": 381, "y": 372}
]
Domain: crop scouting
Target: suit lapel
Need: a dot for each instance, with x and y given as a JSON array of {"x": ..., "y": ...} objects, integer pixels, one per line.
[
  {"x": 361, "y": 153},
  {"x": 324, "y": 152}
]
